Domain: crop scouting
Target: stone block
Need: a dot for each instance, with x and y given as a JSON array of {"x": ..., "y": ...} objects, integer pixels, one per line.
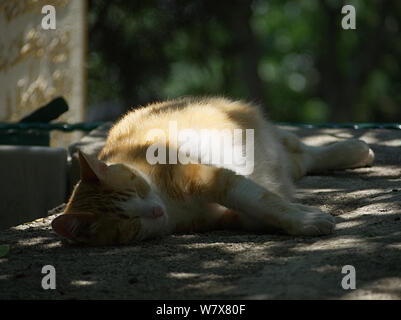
[{"x": 33, "y": 180}]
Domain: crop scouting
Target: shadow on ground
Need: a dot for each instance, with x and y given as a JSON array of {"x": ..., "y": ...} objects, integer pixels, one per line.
[{"x": 227, "y": 265}]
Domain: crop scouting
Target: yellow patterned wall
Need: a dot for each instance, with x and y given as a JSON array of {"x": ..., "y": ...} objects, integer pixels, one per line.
[{"x": 37, "y": 65}]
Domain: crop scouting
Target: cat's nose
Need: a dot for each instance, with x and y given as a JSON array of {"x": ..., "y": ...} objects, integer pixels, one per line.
[{"x": 157, "y": 211}]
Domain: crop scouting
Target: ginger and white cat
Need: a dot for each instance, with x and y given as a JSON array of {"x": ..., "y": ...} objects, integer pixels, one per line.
[{"x": 122, "y": 197}]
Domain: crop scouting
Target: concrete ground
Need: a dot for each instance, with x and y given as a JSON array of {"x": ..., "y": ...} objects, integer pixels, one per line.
[{"x": 228, "y": 265}]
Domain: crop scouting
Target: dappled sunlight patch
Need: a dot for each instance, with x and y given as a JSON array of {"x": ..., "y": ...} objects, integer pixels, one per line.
[
  {"x": 182, "y": 275},
  {"x": 213, "y": 284},
  {"x": 235, "y": 248},
  {"x": 34, "y": 241},
  {"x": 394, "y": 246},
  {"x": 227, "y": 247},
  {"x": 246, "y": 247},
  {"x": 324, "y": 137},
  {"x": 82, "y": 283},
  {"x": 382, "y": 138},
  {"x": 209, "y": 283},
  {"x": 383, "y": 235},
  {"x": 348, "y": 224},
  {"x": 381, "y": 289},
  {"x": 52, "y": 245},
  {"x": 211, "y": 264},
  {"x": 301, "y": 191},
  {"x": 176, "y": 257},
  {"x": 383, "y": 195},
  {"x": 392, "y": 143},
  {"x": 391, "y": 171},
  {"x": 327, "y": 268},
  {"x": 6, "y": 277},
  {"x": 339, "y": 243}
]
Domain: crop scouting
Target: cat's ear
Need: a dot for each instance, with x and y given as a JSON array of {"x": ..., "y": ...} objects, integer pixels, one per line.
[
  {"x": 74, "y": 226},
  {"x": 92, "y": 169}
]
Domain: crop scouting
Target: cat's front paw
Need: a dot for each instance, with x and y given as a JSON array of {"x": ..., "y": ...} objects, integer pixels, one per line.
[{"x": 311, "y": 221}]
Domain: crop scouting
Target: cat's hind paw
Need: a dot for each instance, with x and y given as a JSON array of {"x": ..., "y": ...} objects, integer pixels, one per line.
[
  {"x": 356, "y": 154},
  {"x": 367, "y": 160}
]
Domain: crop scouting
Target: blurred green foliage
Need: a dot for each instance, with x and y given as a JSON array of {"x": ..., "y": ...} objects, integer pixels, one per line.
[{"x": 292, "y": 57}]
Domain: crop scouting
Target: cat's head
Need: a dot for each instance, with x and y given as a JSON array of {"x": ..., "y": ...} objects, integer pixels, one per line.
[{"x": 111, "y": 204}]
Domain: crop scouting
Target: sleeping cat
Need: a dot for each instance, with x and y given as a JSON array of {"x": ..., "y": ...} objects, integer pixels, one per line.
[{"x": 123, "y": 196}]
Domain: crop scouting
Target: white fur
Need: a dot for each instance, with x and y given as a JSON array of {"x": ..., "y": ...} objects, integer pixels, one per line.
[
  {"x": 143, "y": 208},
  {"x": 138, "y": 207}
]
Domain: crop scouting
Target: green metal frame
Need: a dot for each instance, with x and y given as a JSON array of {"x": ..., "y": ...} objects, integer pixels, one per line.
[
  {"x": 37, "y": 133},
  {"x": 89, "y": 126}
]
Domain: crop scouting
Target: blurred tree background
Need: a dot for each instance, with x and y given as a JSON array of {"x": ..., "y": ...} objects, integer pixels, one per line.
[{"x": 292, "y": 57}]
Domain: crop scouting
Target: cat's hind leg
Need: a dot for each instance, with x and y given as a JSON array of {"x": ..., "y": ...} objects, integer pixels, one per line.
[
  {"x": 351, "y": 153},
  {"x": 347, "y": 154}
]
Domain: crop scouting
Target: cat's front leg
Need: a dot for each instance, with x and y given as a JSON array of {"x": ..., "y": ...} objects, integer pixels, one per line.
[{"x": 269, "y": 209}]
